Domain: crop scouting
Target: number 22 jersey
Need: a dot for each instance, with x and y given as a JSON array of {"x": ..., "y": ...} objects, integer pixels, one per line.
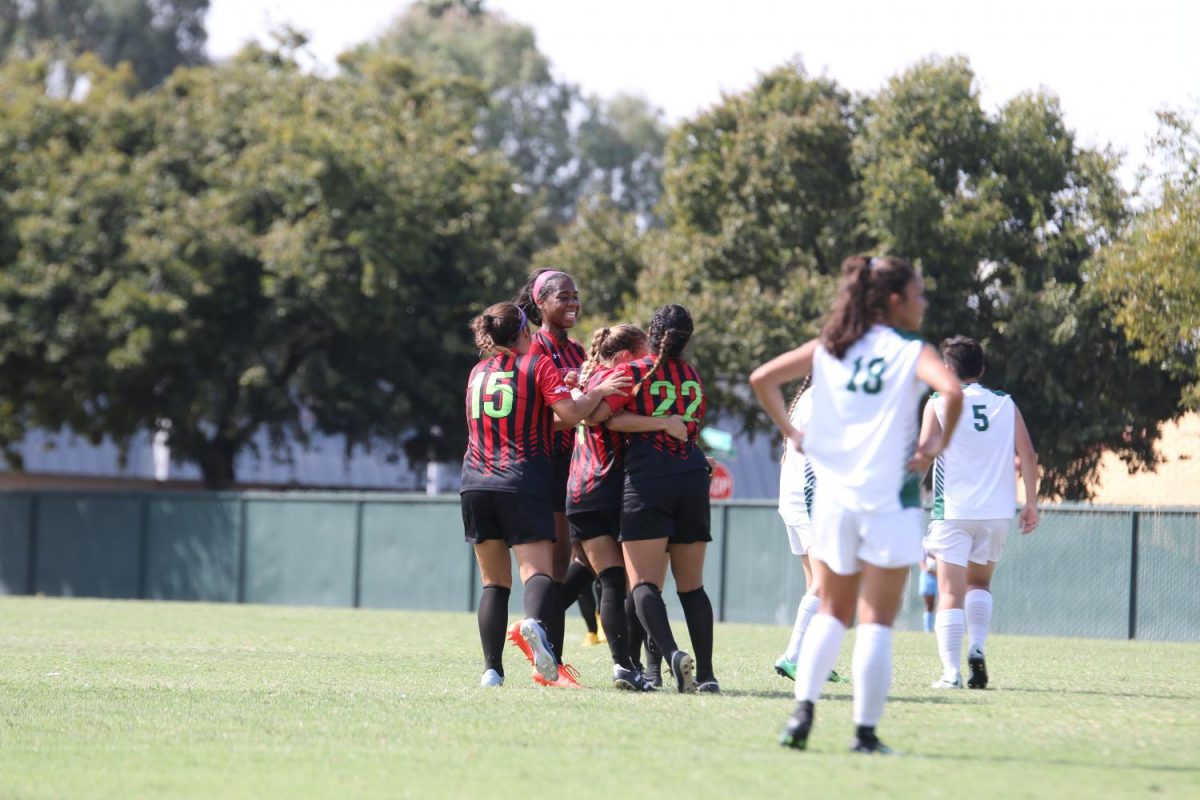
[
  {"x": 673, "y": 388},
  {"x": 510, "y": 424}
]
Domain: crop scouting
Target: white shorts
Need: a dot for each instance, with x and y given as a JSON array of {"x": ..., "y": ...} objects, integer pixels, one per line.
[
  {"x": 844, "y": 538},
  {"x": 800, "y": 537},
  {"x": 957, "y": 541}
]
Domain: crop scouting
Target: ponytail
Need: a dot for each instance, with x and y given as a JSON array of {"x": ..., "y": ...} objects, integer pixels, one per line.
[
  {"x": 804, "y": 384},
  {"x": 496, "y": 330},
  {"x": 862, "y": 298}
]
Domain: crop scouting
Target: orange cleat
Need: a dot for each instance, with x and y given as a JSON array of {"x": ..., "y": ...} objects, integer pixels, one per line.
[
  {"x": 568, "y": 678},
  {"x": 514, "y": 636}
]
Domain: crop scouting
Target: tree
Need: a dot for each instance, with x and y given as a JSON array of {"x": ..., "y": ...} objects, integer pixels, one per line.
[
  {"x": 1152, "y": 273},
  {"x": 155, "y": 36},
  {"x": 249, "y": 244},
  {"x": 616, "y": 149}
]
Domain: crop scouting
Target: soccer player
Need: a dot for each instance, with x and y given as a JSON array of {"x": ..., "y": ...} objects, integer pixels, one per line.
[
  {"x": 665, "y": 507},
  {"x": 513, "y": 401},
  {"x": 928, "y": 589},
  {"x": 974, "y": 496},
  {"x": 595, "y": 487},
  {"x": 869, "y": 375},
  {"x": 550, "y": 299},
  {"x": 797, "y": 487}
]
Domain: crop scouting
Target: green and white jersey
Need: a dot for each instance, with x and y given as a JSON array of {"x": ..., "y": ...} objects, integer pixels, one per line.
[
  {"x": 867, "y": 403},
  {"x": 974, "y": 477},
  {"x": 797, "y": 482}
]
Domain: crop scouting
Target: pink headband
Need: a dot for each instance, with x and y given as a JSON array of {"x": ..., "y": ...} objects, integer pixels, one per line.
[{"x": 540, "y": 281}]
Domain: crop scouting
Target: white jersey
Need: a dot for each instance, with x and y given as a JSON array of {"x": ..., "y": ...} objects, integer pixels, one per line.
[
  {"x": 974, "y": 477},
  {"x": 797, "y": 481},
  {"x": 867, "y": 403}
]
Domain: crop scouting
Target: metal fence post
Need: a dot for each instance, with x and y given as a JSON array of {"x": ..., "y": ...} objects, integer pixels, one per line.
[
  {"x": 241, "y": 550},
  {"x": 1135, "y": 525},
  {"x": 143, "y": 555},
  {"x": 725, "y": 534},
  {"x": 358, "y": 552},
  {"x": 31, "y": 564}
]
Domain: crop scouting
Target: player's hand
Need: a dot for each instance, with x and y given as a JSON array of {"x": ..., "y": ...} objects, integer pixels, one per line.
[
  {"x": 614, "y": 383},
  {"x": 796, "y": 437},
  {"x": 676, "y": 428},
  {"x": 1028, "y": 518},
  {"x": 571, "y": 378},
  {"x": 926, "y": 453}
]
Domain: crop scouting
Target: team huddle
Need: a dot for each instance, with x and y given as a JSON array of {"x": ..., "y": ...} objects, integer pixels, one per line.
[{"x": 588, "y": 464}]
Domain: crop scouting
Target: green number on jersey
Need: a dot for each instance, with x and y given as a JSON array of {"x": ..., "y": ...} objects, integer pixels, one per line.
[
  {"x": 499, "y": 400},
  {"x": 660, "y": 387},
  {"x": 692, "y": 389},
  {"x": 872, "y": 380},
  {"x": 981, "y": 420}
]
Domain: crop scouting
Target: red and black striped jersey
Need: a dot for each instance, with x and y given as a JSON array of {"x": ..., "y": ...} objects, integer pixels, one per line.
[
  {"x": 597, "y": 476},
  {"x": 674, "y": 388},
  {"x": 567, "y": 357},
  {"x": 510, "y": 423}
]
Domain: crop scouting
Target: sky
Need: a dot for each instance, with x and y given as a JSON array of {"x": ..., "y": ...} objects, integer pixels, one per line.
[{"x": 1111, "y": 63}]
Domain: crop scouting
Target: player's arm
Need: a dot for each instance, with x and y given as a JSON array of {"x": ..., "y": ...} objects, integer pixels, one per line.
[
  {"x": 627, "y": 422},
  {"x": 938, "y": 376},
  {"x": 1028, "y": 516},
  {"x": 931, "y": 428},
  {"x": 570, "y": 411},
  {"x": 767, "y": 382}
]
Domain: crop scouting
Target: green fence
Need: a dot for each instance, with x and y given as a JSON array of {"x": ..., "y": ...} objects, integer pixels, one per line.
[{"x": 1087, "y": 571}]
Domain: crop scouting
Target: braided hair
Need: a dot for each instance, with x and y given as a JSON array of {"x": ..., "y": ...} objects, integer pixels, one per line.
[
  {"x": 670, "y": 331},
  {"x": 497, "y": 328},
  {"x": 607, "y": 342}
]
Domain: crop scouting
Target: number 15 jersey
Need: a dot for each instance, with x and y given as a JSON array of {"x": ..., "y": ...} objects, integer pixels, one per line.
[
  {"x": 673, "y": 388},
  {"x": 510, "y": 424},
  {"x": 866, "y": 404}
]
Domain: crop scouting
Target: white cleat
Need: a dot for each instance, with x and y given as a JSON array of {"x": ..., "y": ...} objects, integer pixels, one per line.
[
  {"x": 945, "y": 683},
  {"x": 543, "y": 654},
  {"x": 491, "y": 678}
]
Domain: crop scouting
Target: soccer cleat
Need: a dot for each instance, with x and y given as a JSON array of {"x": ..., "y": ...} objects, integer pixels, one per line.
[
  {"x": 868, "y": 743},
  {"x": 514, "y": 636},
  {"x": 491, "y": 678},
  {"x": 653, "y": 673},
  {"x": 834, "y": 677},
  {"x": 977, "y": 677},
  {"x": 568, "y": 678},
  {"x": 631, "y": 680},
  {"x": 590, "y": 639},
  {"x": 683, "y": 669},
  {"x": 795, "y": 733},
  {"x": 785, "y": 668},
  {"x": 708, "y": 687},
  {"x": 600, "y": 635},
  {"x": 947, "y": 683},
  {"x": 539, "y": 649}
]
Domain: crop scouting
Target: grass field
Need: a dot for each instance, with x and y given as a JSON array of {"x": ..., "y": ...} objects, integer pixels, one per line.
[{"x": 138, "y": 699}]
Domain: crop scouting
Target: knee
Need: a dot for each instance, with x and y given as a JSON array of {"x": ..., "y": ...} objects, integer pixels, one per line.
[{"x": 612, "y": 582}]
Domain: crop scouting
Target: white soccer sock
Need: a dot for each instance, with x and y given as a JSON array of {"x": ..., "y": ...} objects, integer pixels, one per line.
[
  {"x": 949, "y": 629},
  {"x": 818, "y": 652},
  {"x": 872, "y": 668},
  {"x": 979, "y": 617},
  {"x": 804, "y": 614}
]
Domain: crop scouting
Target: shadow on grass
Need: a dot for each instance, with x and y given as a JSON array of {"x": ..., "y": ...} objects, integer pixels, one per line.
[
  {"x": 1095, "y": 692},
  {"x": 1057, "y": 762}
]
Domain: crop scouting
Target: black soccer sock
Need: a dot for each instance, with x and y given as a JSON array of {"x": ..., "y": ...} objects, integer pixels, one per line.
[
  {"x": 653, "y": 614},
  {"x": 637, "y": 634},
  {"x": 556, "y": 625},
  {"x": 588, "y": 605},
  {"x": 538, "y": 597},
  {"x": 493, "y": 620},
  {"x": 612, "y": 615},
  {"x": 578, "y": 586},
  {"x": 697, "y": 609}
]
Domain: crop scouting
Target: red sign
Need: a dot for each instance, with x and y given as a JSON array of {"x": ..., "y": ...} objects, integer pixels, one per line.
[{"x": 720, "y": 486}]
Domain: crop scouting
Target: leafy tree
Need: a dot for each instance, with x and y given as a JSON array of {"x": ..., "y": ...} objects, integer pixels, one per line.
[
  {"x": 526, "y": 113},
  {"x": 1152, "y": 274},
  {"x": 155, "y": 36},
  {"x": 249, "y": 244}
]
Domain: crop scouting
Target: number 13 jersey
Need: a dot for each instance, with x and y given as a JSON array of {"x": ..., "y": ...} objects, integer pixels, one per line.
[
  {"x": 673, "y": 388},
  {"x": 866, "y": 404}
]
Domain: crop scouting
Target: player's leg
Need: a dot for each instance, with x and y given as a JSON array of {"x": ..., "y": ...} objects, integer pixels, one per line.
[
  {"x": 882, "y": 588},
  {"x": 949, "y": 627},
  {"x": 644, "y": 559},
  {"x": 556, "y": 626},
  {"x": 687, "y": 566},
  {"x": 495, "y": 572},
  {"x": 536, "y": 560},
  {"x": 605, "y": 554},
  {"x": 978, "y": 604}
]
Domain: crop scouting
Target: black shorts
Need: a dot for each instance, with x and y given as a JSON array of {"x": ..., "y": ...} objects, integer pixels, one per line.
[
  {"x": 673, "y": 507},
  {"x": 558, "y": 483},
  {"x": 592, "y": 523},
  {"x": 512, "y": 518}
]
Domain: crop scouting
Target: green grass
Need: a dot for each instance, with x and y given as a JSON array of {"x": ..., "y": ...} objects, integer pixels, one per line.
[{"x": 136, "y": 699}]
